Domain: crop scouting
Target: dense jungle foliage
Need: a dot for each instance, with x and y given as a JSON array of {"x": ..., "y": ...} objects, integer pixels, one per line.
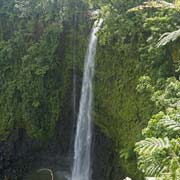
[
  {"x": 136, "y": 85},
  {"x": 36, "y": 52},
  {"x": 137, "y": 76}
]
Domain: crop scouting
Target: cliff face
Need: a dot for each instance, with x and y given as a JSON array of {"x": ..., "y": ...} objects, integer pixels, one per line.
[
  {"x": 127, "y": 61},
  {"x": 39, "y": 48},
  {"x": 120, "y": 111},
  {"x": 37, "y": 60}
]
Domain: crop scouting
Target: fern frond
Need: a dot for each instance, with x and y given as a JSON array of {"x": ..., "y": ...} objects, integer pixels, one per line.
[
  {"x": 149, "y": 145},
  {"x": 168, "y": 37},
  {"x": 154, "y": 169},
  {"x": 171, "y": 124},
  {"x": 150, "y": 166}
]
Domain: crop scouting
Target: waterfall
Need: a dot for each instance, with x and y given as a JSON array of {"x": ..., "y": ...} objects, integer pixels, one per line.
[{"x": 82, "y": 146}]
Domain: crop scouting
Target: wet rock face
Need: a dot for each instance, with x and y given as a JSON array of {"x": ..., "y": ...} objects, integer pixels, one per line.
[
  {"x": 104, "y": 165},
  {"x": 14, "y": 154},
  {"x": 22, "y": 153},
  {"x": 5, "y": 158}
]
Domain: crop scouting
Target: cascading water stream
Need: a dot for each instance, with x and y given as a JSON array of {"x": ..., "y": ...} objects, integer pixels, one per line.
[{"x": 82, "y": 145}]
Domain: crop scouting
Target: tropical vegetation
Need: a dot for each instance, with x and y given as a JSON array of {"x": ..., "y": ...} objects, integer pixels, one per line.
[{"x": 136, "y": 83}]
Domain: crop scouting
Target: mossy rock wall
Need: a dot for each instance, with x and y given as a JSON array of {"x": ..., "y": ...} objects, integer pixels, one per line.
[
  {"x": 119, "y": 110},
  {"x": 127, "y": 50}
]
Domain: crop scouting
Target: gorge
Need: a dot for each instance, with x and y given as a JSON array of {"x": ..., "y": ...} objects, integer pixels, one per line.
[{"x": 107, "y": 116}]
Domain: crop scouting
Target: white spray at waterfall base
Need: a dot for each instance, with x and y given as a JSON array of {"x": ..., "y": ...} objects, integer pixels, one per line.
[{"x": 82, "y": 146}]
